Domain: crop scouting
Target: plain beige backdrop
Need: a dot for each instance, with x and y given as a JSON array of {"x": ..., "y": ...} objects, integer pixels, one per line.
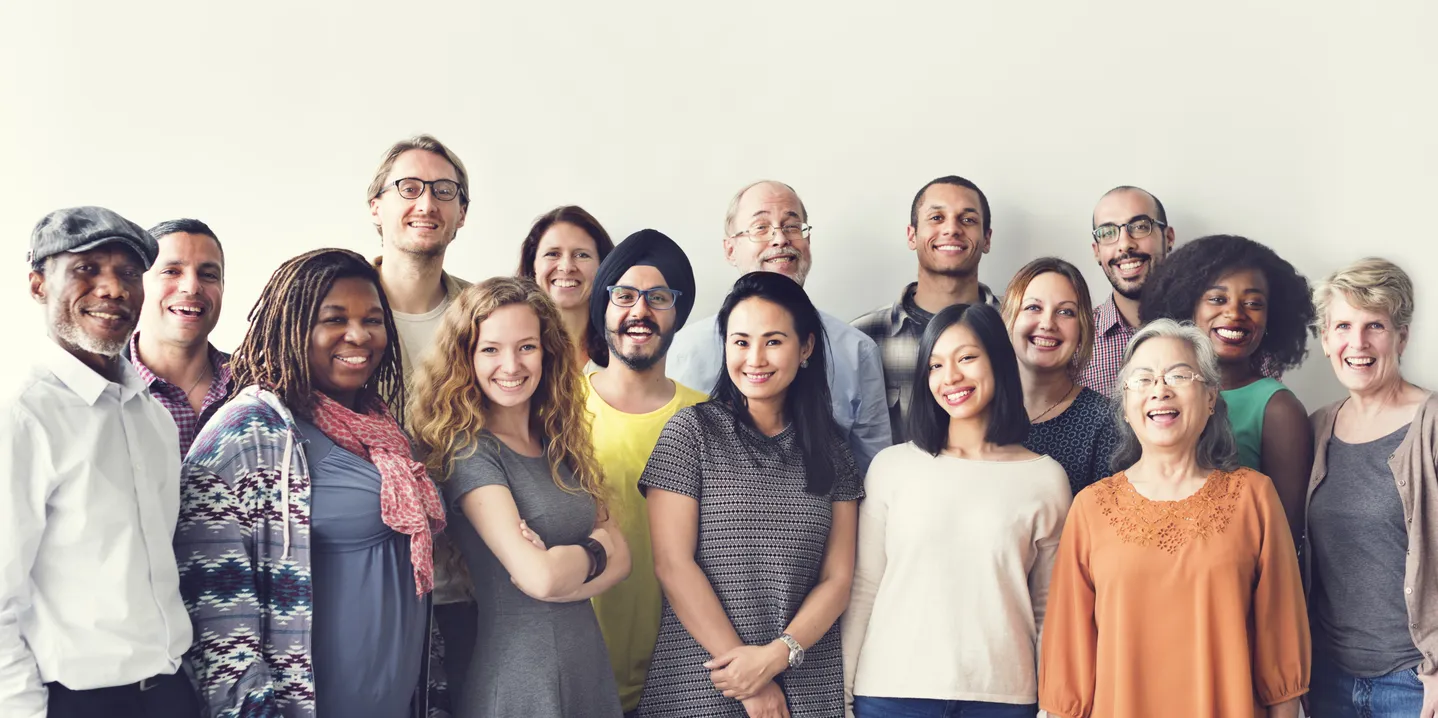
[{"x": 1308, "y": 126}]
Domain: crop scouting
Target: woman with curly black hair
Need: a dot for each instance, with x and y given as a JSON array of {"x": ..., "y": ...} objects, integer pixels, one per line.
[{"x": 1257, "y": 311}]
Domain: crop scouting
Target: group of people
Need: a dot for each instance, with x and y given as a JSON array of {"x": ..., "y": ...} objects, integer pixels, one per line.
[{"x": 554, "y": 494}]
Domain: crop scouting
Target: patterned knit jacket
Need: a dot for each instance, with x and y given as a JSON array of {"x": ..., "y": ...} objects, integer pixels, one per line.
[{"x": 243, "y": 548}]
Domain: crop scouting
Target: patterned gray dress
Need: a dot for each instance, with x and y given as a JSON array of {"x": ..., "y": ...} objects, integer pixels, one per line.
[
  {"x": 532, "y": 658},
  {"x": 761, "y": 544}
]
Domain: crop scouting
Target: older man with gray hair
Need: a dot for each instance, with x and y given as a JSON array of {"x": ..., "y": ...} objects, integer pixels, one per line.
[{"x": 766, "y": 228}]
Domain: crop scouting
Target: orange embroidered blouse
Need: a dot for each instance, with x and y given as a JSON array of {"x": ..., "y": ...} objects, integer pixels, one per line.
[{"x": 1175, "y": 608}]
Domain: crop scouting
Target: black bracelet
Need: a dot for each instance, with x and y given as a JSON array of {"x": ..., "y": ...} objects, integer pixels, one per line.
[{"x": 598, "y": 559}]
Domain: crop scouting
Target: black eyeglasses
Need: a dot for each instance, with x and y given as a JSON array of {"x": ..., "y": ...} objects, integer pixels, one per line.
[
  {"x": 658, "y": 298},
  {"x": 444, "y": 190},
  {"x": 1138, "y": 228}
]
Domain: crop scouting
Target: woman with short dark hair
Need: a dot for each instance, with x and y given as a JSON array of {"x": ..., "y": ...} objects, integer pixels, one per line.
[
  {"x": 1176, "y": 590},
  {"x": 957, "y": 536}
]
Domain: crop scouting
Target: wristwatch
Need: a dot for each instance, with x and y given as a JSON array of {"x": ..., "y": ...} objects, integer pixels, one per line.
[
  {"x": 598, "y": 559},
  {"x": 796, "y": 652}
]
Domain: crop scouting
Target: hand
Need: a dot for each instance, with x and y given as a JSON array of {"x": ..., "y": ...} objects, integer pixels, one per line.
[
  {"x": 742, "y": 672},
  {"x": 530, "y": 536},
  {"x": 767, "y": 703},
  {"x": 1430, "y": 695}
]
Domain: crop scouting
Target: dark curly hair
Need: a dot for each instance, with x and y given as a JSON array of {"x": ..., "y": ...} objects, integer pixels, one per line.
[{"x": 1178, "y": 283}]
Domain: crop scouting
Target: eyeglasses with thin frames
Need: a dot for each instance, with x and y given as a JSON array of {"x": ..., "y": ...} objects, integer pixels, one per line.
[
  {"x": 444, "y": 190},
  {"x": 1138, "y": 228},
  {"x": 1145, "y": 381},
  {"x": 762, "y": 232},
  {"x": 658, "y": 298}
]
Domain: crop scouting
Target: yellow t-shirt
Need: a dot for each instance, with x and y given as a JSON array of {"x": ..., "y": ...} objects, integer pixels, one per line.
[{"x": 629, "y": 612}]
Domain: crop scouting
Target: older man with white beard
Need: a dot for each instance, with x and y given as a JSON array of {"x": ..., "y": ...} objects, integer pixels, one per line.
[{"x": 766, "y": 228}]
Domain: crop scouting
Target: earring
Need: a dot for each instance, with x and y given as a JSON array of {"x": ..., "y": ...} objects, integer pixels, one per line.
[{"x": 804, "y": 364}]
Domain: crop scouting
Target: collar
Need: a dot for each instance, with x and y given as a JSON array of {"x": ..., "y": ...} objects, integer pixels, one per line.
[
  {"x": 448, "y": 283},
  {"x": 900, "y": 313},
  {"x": 219, "y": 365},
  {"x": 1107, "y": 317},
  {"x": 85, "y": 382}
]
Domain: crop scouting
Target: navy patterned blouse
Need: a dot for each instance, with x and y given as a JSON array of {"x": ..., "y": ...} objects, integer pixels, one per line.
[{"x": 1081, "y": 439}]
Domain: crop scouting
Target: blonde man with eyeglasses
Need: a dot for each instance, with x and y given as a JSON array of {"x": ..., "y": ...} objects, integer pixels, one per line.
[{"x": 767, "y": 228}]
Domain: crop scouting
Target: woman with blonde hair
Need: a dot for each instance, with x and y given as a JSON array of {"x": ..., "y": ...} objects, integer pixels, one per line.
[
  {"x": 1372, "y": 504},
  {"x": 498, "y": 417}
]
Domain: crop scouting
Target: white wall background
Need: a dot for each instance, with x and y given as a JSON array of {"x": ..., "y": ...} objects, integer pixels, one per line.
[{"x": 1309, "y": 126}]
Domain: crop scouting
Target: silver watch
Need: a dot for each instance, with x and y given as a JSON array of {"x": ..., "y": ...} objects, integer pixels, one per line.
[{"x": 796, "y": 652}]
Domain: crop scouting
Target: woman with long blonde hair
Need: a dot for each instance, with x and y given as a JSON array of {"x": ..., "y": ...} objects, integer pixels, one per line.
[{"x": 498, "y": 417}]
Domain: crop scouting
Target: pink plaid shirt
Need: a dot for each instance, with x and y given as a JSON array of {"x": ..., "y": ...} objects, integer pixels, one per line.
[
  {"x": 173, "y": 397},
  {"x": 1110, "y": 335}
]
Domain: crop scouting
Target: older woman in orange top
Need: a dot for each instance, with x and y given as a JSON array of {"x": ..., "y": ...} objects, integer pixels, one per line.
[{"x": 1176, "y": 590}]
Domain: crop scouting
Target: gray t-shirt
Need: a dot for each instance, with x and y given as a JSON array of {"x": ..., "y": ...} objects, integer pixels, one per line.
[{"x": 1360, "y": 550}]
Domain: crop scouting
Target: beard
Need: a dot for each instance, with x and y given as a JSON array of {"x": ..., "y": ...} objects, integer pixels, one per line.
[
  {"x": 67, "y": 331},
  {"x": 635, "y": 361},
  {"x": 1129, "y": 289}
]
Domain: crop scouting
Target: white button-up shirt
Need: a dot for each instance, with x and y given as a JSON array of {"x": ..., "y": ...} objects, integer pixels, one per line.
[{"x": 89, "y": 496}]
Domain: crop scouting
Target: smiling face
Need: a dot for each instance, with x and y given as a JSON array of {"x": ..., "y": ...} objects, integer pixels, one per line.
[
  {"x": 1163, "y": 416},
  {"x": 1234, "y": 314},
  {"x": 961, "y": 379},
  {"x": 1363, "y": 346},
  {"x": 565, "y": 263},
  {"x": 509, "y": 356},
  {"x": 762, "y": 350},
  {"x": 92, "y": 300},
  {"x": 348, "y": 339},
  {"x": 1129, "y": 262},
  {"x": 184, "y": 290},
  {"x": 949, "y": 237},
  {"x": 774, "y": 206},
  {"x": 423, "y": 226},
  {"x": 640, "y": 335},
  {"x": 1046, "y": 331}
]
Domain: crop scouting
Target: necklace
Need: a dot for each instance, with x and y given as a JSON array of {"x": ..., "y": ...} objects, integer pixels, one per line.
[
  {"x": 1061, "y": 400},
  {"x": 197, "y": 382}
]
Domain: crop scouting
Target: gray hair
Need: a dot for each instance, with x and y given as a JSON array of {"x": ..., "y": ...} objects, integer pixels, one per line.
[
  {"x": 733, "y": 212},
  {"x": 1216, "y": 448}
]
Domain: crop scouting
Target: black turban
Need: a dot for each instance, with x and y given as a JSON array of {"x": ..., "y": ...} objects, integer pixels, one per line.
[{"x": 650, "y": 248}]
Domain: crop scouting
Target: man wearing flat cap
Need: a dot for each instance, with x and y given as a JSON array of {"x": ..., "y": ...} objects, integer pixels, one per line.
[
  {"x": 643, "y": 293},
  {"x": 767, "y": 228},
  {"x": 91, "y": 620}
]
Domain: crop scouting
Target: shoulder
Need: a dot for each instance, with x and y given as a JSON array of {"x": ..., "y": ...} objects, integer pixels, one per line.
[
  {"x": 875, "y": 322},
  {"x": 1284, "y": 406},
  {"x": 696, "y": 332},
  {"x": 688, "y": 422},
  {"x": 688, "y": 397},
  {"x": 1254, "y": 485},
  {"x": 250, "y": 420},
  {"x": 840, "y": 331}
]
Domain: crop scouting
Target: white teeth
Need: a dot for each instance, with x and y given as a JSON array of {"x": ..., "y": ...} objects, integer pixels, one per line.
[
  {"x": 1360, "y": 361},
  {"x": 1127, "y": 266},
  {"x": 188, "y": 311},
  {"x": 565, "y": 283},
  {"x": 423, "y": 225},
  {"x": 104, "y": 315},
  {"x": 1163, "y": 412},
  {"x": 1232, "y": 333},
  {"x": 958, "y": 394},
  {"x": 951, "y": 248},
  {"x": 509, "y": 383},
  {"x": 354, "y": 361},
  {"x": 1045, "y": 342}
]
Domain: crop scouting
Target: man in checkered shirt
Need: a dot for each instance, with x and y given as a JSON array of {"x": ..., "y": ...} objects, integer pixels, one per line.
[
  {"x": 1130, "y": 237},
  {"x": 171, "y": 350},
  {"x": 949, "y": 230}
]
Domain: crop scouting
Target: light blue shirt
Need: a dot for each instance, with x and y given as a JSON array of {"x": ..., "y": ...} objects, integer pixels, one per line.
[{"x": 856, "y": 378}]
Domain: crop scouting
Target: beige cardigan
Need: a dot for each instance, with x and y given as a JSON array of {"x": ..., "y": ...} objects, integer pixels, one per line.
[{"x": 1414, "y": 471}]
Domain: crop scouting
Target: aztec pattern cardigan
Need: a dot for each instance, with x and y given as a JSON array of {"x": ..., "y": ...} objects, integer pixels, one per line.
[{"x": 243, "y": 548}]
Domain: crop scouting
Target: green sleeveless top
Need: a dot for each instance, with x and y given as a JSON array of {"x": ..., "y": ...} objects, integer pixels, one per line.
[{"x": 1245, "y": 415}]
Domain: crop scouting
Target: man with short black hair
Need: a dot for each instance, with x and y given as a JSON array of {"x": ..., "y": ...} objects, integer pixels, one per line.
[
  {"x": 950, "y": 229},
  {"x": 172, "y": 352},
  {"x": 1131, "y": 236},
  {"x": 91, "y": 619}
]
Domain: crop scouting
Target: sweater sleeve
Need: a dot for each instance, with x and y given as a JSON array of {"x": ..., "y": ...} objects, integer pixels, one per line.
[
  {"x": 1281, "y": 642},
  {"x": 1048, "y": 531},
  {"x": 1068, "y": 659},
  {"x": 868, "y": 572}
]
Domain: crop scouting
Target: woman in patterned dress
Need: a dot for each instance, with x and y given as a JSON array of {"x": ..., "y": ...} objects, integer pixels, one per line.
[
  {"x": 1047, "y": 312},
  {"x": 1176, "y": 590},
  {"x": 753, "y": 509}
]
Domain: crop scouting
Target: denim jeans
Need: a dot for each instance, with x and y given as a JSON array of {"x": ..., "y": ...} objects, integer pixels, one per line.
[
  {"x": 866, "y": 707},
  {"x": 1335, "y": 694}
]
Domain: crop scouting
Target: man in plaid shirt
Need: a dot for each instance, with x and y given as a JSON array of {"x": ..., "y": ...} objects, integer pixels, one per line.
[
  {"x": 950, "y": 231},
  {"x": 171, "y": 350},
  {"x": 1130, "y": 237}
]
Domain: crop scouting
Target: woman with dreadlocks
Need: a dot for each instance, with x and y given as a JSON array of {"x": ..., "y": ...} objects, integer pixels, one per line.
[
  {"x": 1256, "y": 310},
  {"x": 305, "y": 524}
]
